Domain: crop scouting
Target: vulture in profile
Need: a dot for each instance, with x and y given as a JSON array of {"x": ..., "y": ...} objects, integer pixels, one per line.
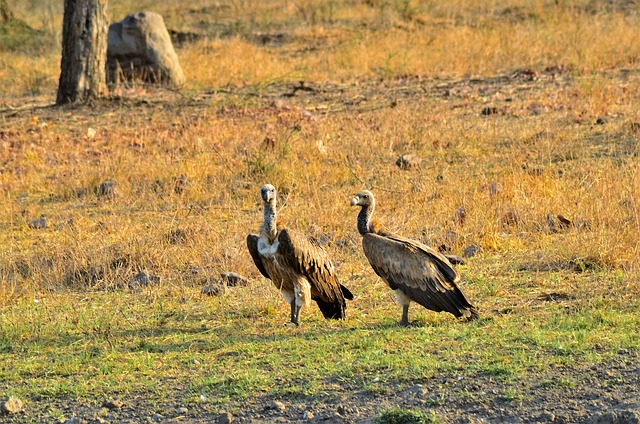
[
  {"x": 298, "y": 266},
  {"x": 416, "y": 272}
]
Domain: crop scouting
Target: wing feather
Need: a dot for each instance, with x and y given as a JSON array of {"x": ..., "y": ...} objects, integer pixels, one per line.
[
  {"x": 421, "y": 273},
  {"x": 305, "y": 256},
  {"x": 252, "y": 245}
]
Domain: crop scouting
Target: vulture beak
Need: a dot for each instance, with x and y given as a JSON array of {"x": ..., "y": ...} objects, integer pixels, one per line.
[
  {"x": 268, "y": 193},
  {"x": 268, "y": 196},
  {"x": 355, "y": 201}
]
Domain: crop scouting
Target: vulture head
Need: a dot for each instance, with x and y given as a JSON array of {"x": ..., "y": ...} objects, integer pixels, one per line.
[
  {"x": 364, "y": 198},
  {"x": 268, "y": 193},
  {"x": 367, "y": 202}
]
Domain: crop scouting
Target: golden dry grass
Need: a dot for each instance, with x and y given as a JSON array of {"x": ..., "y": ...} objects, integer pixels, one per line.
[{"x": 387, "y": 79}]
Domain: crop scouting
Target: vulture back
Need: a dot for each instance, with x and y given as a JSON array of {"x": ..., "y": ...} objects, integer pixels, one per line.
[
  {"x": 421, "y": 273},
  {"x": 305, "y": 256}
]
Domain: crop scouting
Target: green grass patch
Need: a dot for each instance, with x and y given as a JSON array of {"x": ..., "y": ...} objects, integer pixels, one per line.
[{"x": 407, "y": 416}]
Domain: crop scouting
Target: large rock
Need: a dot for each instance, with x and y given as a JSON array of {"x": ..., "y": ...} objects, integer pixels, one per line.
[{"x": 139, "y": 47}]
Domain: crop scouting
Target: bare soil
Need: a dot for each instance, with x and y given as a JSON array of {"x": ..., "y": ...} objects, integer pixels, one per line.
[
  {"x": 568, "y": 394},
  {"x": 609, "y": 393}
]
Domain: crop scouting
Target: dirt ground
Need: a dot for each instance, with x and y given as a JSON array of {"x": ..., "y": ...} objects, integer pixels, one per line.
[
  {"x": 605, "y": 394},
  {"x": 571, "y": 394}
]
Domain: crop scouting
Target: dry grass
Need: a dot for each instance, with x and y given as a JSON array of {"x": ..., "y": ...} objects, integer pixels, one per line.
[
  {"x": 325, "y": 41},
  {"x": 388, "y": 79},
  {"x": 554, "y": 162}
]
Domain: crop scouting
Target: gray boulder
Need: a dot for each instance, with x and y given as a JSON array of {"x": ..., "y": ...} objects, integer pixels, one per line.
[{"x": 139, "y": 48}]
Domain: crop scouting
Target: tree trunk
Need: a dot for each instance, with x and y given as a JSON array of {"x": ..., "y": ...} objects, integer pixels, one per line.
[
  {"x": 5, "y": 13},
  {"x": 84, "y": 51}
]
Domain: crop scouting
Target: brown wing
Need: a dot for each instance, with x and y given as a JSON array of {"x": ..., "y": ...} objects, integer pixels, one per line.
[
  {"x": 252, "y": 244},
  {"x": 421, "y": 273},
  {"x": 305, "y": 256}
]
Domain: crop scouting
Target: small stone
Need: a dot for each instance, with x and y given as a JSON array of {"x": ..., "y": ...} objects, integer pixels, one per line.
[
  {"x": 180, "y": 184},
  {"x": 11, "y": 405},
  {"x": 343, "y": 410},
  {"x": 547, "y": 417},
  {"x": 215, "y": 289},
  {"x": 113, "y": 404},
  {"x": 459, "y": 216},
  {"x": 452, "y": 237},
  {"x": 601, "y": 120},
  {"x": 494, "y": 189},
  {"x": 277, "y": 406},
  {"x": 418, "y": 390},
  {"x": 408, "y": 161},
  {"x": 444, "y": 248},
  {"x": 510, "y": 218},
  {"x": 38, "y": 224},
  {"x": 225, "y": 418},
  {"x": 564, "y": 222},
  {"x": 471, "y": 251},
  {"x": 144, "y": 278},
  {"x": 107, "y": 190},
  {"x": 158, "y": 186},
  {"x": 232, "y": 279},
  {"x": 102, "y": 412},
  {"x": 489, "y": 110},
  {"x": 536, "y": 170},
  {"x": 176, "y": 236},
  {"x": 308, "y": 415}
]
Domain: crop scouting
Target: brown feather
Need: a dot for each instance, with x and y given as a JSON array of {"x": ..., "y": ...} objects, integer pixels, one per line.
[
  {"x": 421, "y": 273},
  {"x": 418, "y": 272},
  {"x": 305, "y": 256}
]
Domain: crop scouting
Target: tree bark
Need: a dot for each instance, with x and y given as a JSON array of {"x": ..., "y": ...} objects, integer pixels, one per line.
[
  {"x": 5, "y": 12},
  {"x": 84, "y": 51}
]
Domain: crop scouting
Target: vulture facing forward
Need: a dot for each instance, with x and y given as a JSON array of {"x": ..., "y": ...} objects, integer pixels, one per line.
[
  {"x": 298, "y": 266},
  {"x": 416, "y": 272}
]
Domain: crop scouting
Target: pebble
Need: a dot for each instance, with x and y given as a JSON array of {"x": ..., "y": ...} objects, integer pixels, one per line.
[
  {"x": 107, "y": 190},
  {"x": 278, "y": 406},
  {"x": 11, "y": 405},
  {"x": 215, "y": 289},
  {"x": 408, "y": 161},
  {"x": 233, "y": 279},
  {"x": 225, "y": 418},
  {"x": 471, "y": 251},
  {"x": 38, "y": 224},
  {"x": 113, "y": 404}
]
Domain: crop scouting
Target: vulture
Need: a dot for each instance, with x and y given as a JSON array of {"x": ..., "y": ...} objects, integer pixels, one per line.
[
  {"x": 298, "y": 266},
  {"x": 415, "y": 271}
]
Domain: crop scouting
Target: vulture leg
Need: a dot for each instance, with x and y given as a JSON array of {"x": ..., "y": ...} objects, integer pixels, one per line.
[
  {"x": 405, "y": 316},
  {"x": 404, "y": 301},
  {"x": 295, "y": 312}
]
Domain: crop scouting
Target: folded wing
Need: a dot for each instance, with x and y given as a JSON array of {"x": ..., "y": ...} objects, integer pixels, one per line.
[{"x": 421, "y": 273}]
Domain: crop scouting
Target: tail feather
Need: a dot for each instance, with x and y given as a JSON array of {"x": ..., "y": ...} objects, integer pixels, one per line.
[
  {"x": 332, "y": 310},
  {"x": 346, "y": 293}
]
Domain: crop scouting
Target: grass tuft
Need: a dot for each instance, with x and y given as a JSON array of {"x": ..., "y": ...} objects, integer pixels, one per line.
[{"x": 407, "y": 416}]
